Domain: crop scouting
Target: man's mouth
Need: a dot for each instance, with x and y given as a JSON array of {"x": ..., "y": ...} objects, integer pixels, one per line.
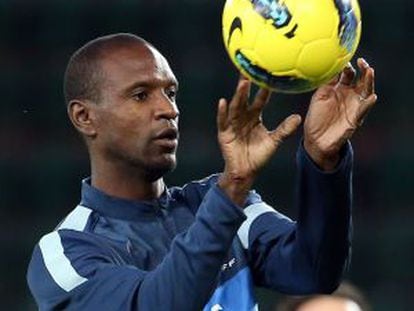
[
  {"x": 168, "y": 138},
  {"x": 170, "y": 133}
]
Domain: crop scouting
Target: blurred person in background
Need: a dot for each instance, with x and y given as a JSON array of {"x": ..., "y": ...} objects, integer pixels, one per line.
[
  {"x": 346, "y": 298},
  {"x": 134, "y": 243}
]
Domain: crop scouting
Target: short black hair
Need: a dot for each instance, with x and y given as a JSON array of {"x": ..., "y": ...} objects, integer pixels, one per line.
[{"x": 84, "y": 75}]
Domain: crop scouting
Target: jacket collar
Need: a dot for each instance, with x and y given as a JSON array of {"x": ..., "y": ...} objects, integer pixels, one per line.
[{"x": 120, "y": 208}]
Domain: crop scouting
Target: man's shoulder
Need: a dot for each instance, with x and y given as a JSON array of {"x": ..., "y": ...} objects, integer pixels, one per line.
[{"x": 76, "y": 227}]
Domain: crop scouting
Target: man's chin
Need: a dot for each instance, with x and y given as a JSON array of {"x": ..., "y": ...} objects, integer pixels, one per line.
[
  {"x": 157, "y": 170},
  {"x": 169, "y": 166}
]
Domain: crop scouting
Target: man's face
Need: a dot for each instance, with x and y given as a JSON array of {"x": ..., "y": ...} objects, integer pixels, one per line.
[{"x": 137, "y": 118}]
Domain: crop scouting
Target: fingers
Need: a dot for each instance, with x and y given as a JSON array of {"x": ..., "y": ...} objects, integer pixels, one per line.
[
  {"x": 365, "y": 107},
  {"x": 240, "y": 102},
  {"x": 261, "y": 99},
  {"x": 347, "y": 75},
  {"x": 222, "y": 115},
  {"x": 366, "y": 84},
  {"x": 334, "y": 81},
  {"x": 365, "y": 88},
  {"x": 243, "y": 79},
  {"x": 240, "y": 99},
  {"x": 286, "y": 128}
]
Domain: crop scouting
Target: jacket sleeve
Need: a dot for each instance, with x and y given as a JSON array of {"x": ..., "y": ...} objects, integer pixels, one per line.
[
  {"x": 310, "y": 255},
  {"x": 73, "y": 270}
]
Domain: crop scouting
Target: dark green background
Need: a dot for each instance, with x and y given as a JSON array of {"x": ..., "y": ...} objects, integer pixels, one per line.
[{"x": 42, "y": 160}]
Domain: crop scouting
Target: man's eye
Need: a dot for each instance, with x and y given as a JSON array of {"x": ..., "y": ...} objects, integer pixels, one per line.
[
  {"x": 171, "y": 93},
  {"x": 140, "y": 96}
]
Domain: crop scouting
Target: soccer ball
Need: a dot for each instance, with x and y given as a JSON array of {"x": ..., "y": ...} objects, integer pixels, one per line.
[{"x": 291, "y": 46}]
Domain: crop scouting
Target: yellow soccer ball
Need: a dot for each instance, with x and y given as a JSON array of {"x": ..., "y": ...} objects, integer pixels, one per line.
[{"x": 291, "y": 46}]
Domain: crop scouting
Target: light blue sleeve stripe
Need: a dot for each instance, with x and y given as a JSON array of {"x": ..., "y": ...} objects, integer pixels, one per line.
[
  {"x": 51, "y": 247},
  {"x": 253, "y": 212},
  {"x": 58, "y": 264},
  {"x": 77, "y": 219}
]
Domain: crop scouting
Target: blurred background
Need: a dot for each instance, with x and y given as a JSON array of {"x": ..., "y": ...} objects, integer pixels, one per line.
[{"x": 42, "y": 160}]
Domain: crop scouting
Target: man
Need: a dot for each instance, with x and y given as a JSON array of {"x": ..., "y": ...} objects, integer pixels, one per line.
[
  {"x": 346, "y": 298},
  {"x": 133, "y": 243}
]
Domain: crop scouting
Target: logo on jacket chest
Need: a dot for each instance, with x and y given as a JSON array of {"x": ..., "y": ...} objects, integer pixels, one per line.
[{"x": 228, "y": 265}]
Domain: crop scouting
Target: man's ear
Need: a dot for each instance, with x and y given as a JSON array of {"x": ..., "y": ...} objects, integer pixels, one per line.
[{"x": 82, "y": 115}]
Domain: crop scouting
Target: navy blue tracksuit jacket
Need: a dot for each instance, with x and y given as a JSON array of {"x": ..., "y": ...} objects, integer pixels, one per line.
[{"x": 193, "y": 249}]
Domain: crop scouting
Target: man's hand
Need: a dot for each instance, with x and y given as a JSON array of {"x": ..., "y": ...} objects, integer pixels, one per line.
[
  {"x": 245, "y": 142},
  {"x": 336, "y": 111}
]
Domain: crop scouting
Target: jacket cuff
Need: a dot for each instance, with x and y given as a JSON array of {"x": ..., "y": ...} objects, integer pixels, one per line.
[{"x": 345, "y": 162}]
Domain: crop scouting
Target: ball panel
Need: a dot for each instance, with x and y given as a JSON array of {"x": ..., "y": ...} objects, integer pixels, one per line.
[
  {"x": 316, "y": 19},
  {"x": 317, "y": 57},
  {"x": 277, "y": 53},
  {"x": 337, "y": 67},
  {"x": 240, "y": 26}
]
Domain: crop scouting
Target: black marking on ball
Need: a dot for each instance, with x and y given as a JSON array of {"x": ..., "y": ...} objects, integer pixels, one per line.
[
  {"x": 348, "y": 23},
  {"x": 291, "y": 34},
  {"x": 274, "y": 10},
  {"x": 284, "y": 83},
  {"x": 236, "y": 24}
]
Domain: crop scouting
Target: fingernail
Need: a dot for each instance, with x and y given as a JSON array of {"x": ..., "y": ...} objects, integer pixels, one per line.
[
  {"x": 364, "y": 62},
  {"x": 243, "y": 83}
]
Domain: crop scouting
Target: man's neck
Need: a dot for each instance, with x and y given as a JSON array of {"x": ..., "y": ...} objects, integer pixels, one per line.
[{"x": 125, "y": 183}]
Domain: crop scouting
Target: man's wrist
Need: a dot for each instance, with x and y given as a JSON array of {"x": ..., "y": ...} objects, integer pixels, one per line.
[
  {"x": 326, "y": 161},
  {"x": 236, "y": 188}
]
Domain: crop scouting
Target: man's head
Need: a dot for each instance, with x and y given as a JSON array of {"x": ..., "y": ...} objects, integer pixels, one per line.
[
  {"x": 346, "y": 298},
  {"x": 120, "y": 94},
  {"x": 328, "y": 303}
]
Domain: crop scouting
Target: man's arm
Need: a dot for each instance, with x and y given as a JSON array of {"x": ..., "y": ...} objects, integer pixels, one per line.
[
  {"x": 75, "y": 270},
  {"x": 310, "y": 255}
]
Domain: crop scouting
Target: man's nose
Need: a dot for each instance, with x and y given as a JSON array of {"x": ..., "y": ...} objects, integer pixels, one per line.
[{"x": 166, "y": 109}]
